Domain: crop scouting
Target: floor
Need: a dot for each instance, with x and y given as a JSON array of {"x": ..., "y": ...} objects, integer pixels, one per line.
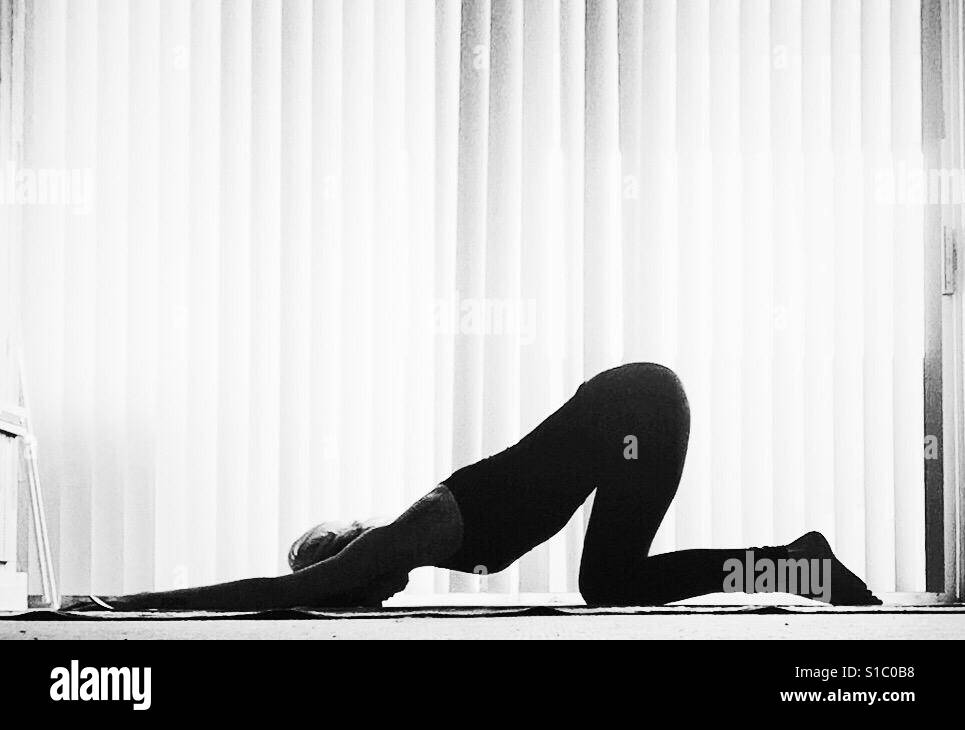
[{"x": 518, "y": 622}]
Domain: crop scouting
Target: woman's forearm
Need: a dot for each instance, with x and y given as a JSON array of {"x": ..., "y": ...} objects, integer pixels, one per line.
[{"x": 250, "y": 594}]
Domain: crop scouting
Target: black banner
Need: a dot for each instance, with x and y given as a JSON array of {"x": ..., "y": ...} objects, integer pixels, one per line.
[{"x": 416, "y": 680}]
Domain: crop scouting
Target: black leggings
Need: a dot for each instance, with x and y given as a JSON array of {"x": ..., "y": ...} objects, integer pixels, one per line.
[{"x": 624, "y": 433}]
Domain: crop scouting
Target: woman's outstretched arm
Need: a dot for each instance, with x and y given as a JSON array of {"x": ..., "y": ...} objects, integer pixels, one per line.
[{"x": 376, "y": 562}]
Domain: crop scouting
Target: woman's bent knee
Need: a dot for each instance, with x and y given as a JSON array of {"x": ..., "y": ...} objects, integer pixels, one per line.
[
  {"x": 593, "y": 593},
  {"x": 599, "y": 591}
]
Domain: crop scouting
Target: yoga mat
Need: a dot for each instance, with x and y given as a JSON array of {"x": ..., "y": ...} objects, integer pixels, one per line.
[{"x": 464, "y": 612}]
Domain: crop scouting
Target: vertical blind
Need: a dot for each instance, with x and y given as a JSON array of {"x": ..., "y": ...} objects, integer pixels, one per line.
[
  {"x": 335, "y": 250},
  {"x": 11, "y": 87}
]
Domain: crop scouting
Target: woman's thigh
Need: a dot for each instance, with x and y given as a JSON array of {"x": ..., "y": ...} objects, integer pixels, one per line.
[
  {"x": 516, "y": 499},
  {"x": 636, "y": 484}
]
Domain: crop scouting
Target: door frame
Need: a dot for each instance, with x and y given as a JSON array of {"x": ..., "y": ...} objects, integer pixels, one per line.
[{"x": 943, "y": 146}]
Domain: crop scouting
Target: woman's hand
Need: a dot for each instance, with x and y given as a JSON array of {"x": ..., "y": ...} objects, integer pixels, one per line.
[{"x": 383, "y": 588}]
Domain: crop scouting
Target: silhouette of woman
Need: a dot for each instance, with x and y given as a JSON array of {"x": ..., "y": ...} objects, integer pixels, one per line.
[{"x": 488, "y": 514}]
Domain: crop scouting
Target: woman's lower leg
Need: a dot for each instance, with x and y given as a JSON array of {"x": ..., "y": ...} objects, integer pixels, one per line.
[{"x": 683, "y": 574}]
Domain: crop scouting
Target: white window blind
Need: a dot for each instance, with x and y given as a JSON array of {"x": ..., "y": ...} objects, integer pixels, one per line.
[{"x": 335, "y": 250}]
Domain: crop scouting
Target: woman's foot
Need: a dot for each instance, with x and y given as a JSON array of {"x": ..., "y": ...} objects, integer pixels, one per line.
[{"x": 846, "y": 588}]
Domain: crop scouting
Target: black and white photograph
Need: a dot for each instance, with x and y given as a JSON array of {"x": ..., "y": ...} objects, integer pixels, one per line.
[{"x": 481, "y": 320}]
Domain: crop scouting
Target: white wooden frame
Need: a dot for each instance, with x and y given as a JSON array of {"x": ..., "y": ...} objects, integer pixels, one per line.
[
  {"x": 943, "y": 74},
  {"x": 12, "y": 33}
]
